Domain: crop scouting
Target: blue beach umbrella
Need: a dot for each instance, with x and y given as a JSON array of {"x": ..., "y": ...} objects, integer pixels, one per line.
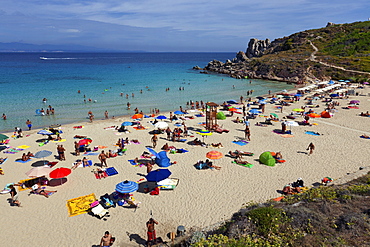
[
  {"x": 127, "y": 187},
  {"x": 232, "y": 101},
  {"x": 158, "y": 175},
  {"x": 45, "y": 132},
  {"x": 334, "y": 95},
  {"x": 179, "y": 112},
  {"x": 161, "y": 117},
  {"x": 42, "y": 154},
  {"x": 126, "y": 123}
]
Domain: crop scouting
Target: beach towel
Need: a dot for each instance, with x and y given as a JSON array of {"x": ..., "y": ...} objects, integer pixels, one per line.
[
  {"x": 23, "y": 147},
  {"x": 22, "y": 161},
  {"x": 199, "y": 115},
  {"x": 312, "y": 133},
  {"x": 240, "y": 143},
  {"x": 181, "y": 150},
  {"x": 80, "y": 205},
  {"x": 182, "y": 140},
  {"x": 62, "y": 140},
  {"x": 111, "y": 171},
  {"x": 360, "y": 137},
  {"x": 101, "y": 147},
  {"x": 245, "y": 165},
  {"x": 90, "y": 153},
  {"x": 287, "y": 135},
  {"x": 78, "y": 127}
]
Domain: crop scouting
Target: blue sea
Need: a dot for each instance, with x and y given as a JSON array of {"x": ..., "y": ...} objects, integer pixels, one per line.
[{"x": 27, "y": 78}]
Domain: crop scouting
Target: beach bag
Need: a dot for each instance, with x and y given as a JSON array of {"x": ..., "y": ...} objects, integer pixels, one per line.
[{"x": 112, "y": 239}]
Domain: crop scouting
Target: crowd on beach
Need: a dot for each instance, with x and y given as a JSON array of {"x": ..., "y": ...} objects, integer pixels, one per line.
[{"x": 248, "y": 110}]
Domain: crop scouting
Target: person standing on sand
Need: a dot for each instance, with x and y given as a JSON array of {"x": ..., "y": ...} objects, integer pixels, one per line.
[
  {"x": 154, "y": 140},
  {"x": 311, "y": 147},
  {"x": 106, "y": 114},
  {"x": 61, "y": 151},
  {"x": 151, "y": 231},
  {"x": 13, "y": 194},
  {"x": 105, "y": 240},
  {"x": 91, "y": 117},
  {"x": 103, "y": 158},
  {"x": 29, "y": 124},
  {"x": 247, "y": 133},
  {"x": 77, "y": 148}
]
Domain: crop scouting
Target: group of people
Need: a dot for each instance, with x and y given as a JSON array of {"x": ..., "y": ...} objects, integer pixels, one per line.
[{"x": 27, "y": 156}]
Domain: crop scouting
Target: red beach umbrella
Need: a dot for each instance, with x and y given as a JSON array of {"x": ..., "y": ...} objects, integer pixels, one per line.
[
  {"x": 60, "y": 172},
  {"x": 86, "y": 141}
]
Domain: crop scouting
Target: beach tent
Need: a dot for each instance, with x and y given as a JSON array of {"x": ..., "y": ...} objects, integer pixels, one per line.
[
  {"x": 267, "y": 159},
  {"x": 161, "y": 158},
  {"x": 325, "y": 114},
  {"x": 220, "y": 115}
]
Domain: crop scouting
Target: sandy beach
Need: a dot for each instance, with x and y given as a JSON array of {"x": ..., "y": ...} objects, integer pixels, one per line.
[{"x": 202, "y": 197}]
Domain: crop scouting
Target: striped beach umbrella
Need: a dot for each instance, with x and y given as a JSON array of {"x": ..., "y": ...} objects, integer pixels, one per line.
[{"x": 214, "y": 155}]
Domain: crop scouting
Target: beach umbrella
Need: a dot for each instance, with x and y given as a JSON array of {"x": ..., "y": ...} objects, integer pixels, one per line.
[
  {"x": 126, "y": 123},
  {"x": 39, "y": 171},
  {"x": 214, "y": 155},
  {"x": 85, "y": 141},
  {"x": 233, "y": 109},
  {"x": 137, "y": 116},
  {"x": 274, "y": 115},
  {"x": 127, "y": 187},
  {"x": 366, "y": 83},
  {"x": 260, "y": 98},
  {"x": 232, "y": 101},
  {"x": 53, "y": 126},
  {"x": 333, "y": 95},
  {"x": 161, "y": 125},
  {"x": 314, "y": 115},
  {"x": 298, "y": 95},
  {"x": 60, "y": 172},
  {"x": 3, "y": 137},
  {"x": 178, "y": 113},
  {"x": 254, "y": 111},
  {"x": 204, "y": 133},
  {"x": 161, "y": 117},
  {"x": 298, "y": 109},
  {"x": 158, "y": 175},
  {"x": 354, "y": 102},
  {"x": 42, "y": 154},
  {"x": 45, "y": 132},
  {"x": 291, "y": 123}
]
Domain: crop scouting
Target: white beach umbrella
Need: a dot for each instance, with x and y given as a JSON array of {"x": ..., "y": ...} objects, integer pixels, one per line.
[{"x": 161, "y": 125}]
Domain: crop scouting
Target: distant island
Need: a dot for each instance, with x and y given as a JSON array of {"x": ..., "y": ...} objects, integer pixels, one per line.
[{"x": 336, "y": 51}]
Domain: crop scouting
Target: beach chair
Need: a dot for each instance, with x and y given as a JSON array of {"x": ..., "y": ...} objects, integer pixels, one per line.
[{"x": 99, "y": 211}]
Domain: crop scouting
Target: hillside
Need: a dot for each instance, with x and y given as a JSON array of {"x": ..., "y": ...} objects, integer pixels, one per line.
[
  {"x": 335, "y": 52},
  {"x": 336, "y": 215}
]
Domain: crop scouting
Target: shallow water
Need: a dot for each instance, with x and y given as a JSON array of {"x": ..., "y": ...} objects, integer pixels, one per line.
[{"x": 26, "y": 79}]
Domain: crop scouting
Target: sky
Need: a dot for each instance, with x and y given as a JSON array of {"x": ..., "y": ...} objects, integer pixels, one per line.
[{"x": 168, "y": 25}]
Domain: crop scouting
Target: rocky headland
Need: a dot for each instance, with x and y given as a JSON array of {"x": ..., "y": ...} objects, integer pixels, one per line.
[{"x": 335, "y": 52}]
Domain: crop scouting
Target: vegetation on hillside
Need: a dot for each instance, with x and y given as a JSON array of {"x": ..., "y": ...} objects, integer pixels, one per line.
[{"x": 322, "y": 216}]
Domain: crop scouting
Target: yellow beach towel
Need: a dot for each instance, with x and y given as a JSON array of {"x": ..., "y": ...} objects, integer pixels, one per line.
[
  {"x": 80, "y": 205},
  {"x": 63, "y": 140}
]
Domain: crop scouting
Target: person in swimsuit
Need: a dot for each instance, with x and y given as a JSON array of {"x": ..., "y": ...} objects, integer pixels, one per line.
[
  {"x": 151, "y": 231},
  {"x": 105, "y": 240},
  {"x": 103, "y": 159}
]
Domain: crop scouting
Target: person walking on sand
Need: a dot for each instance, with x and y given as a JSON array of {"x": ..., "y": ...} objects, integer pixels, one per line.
[
  {"x": 154, "y": 140},
  {"x": 311, "y": 147},
  {"x": 105, "y": 240},
  {"x": 103, "y": 158},
  {"x": 29, "y": 124},
  {"x": 151, "y": 231}
]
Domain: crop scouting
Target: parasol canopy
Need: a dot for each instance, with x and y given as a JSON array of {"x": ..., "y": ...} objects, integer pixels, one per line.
[
  {"x": 161, "y": 117},
  {"x": 298, "y": 109},
  {"x": 85, "y": 141},
  {"x": 126, "y": 123},
  {"x": 161, "y": 125},
  {"x": 39, "y": 171},
  {"x": 158, "y": 175},
  {"x": 45, "y": 132},
  {"x": 137, "y": 116},
  {"x": 42, "y": 154},
  {"x": 127, "y": 187},
  {"x": 60, "y": 172},
  {"x": 214, "y": 155},
  {"x": 3, "y": 137}
]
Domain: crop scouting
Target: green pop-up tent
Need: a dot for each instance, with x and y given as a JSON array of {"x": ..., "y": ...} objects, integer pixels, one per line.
[
  {"x": 267, "y": 159},
  {"x": 220, "y": 115}
]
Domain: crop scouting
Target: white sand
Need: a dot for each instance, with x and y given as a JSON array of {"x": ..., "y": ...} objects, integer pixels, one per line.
[{"x": 202, "y": 198}]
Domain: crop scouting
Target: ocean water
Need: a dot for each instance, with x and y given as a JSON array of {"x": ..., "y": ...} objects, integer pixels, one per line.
[{"x": 25, "y": 80}]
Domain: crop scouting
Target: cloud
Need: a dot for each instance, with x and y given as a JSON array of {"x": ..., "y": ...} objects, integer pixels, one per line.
[{"x": 182, "y": 22}]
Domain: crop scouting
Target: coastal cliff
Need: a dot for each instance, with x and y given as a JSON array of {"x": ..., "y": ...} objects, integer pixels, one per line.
[{"x": 336, "y": 51}]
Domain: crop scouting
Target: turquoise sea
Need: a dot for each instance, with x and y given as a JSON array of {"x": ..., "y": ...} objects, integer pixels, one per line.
[{"x": 25, "y": 79}]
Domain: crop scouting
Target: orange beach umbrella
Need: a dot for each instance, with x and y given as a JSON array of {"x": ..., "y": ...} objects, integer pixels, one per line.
[
  {"x": 137, "y": 116},
  {"x": 214, "y": 155}
]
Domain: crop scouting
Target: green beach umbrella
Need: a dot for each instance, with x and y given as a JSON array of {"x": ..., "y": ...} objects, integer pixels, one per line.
[
  {"x": 3, "y": 137},
  {"x": 274, "y": 114},
  {"x": 298, "y": 110}
]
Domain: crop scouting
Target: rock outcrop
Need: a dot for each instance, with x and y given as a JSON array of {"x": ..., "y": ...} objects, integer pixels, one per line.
[{"x": 256, "y": 47}]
